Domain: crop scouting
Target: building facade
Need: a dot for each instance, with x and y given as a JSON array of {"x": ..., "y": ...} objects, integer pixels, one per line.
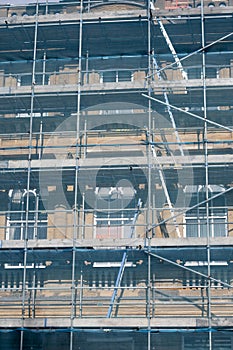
[{"x": 116, "y": 164}]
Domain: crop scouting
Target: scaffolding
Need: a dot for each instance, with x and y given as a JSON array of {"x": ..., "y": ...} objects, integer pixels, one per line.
[{"x": 116, "y": 163}]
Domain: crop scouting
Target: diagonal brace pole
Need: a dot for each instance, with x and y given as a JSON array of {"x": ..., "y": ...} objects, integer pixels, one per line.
[
  {"x": 191, "y": 208},
  {"x": 117, "y": 284},
  {"x": 189, "y": 269},
  {"x": 137, "y": 212},
  {"x": 195, "y": 52},
  {"x": 172, "y": 49},
  {"x": 189, "y": 113}
]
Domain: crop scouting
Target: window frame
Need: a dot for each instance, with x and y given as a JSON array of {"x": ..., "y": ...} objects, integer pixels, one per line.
[
  {"x": 201, "y": 215},
  {"x": 35, "y": 222}
]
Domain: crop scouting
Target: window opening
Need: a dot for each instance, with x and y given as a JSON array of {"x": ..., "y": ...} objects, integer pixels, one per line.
[
  {"x": 115, "y": 210},
  {"x": 16, "y": 219},
  {"x": 196, "y": 219}
]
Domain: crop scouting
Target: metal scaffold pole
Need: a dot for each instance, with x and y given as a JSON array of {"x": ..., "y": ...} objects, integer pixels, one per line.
[
  {"x": 172, "y": 49},
  {"x": 75, "y": 209},
  {"x": 207, "y": 277},
  {"x": 26, "y": 228},
  {"x": 205, "y": 141},
  {"x": 189, "y": 113},
  {"x": 117, "y": 284},
  {"x": 136, "y": 214},
  {"x": 159, "y": 75},
  {"x": 190, "y": 208},
  {"x": 169, "y": 109},
  {"x": 149, "y": 209},
  {"x": 168, "y": 199}
]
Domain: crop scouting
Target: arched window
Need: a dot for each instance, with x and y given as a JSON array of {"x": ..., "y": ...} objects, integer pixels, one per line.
[
  {"x": 18, "y": 223},
  {"x": 196, "y": 219}
]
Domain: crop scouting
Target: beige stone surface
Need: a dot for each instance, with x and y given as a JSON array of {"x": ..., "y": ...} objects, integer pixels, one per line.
[
  {"x": 230, "y": 220},
  {"x": 224, "y": 73},
  {"x": 139, "y": 75},
  {"x": 2, "y": 226},
  {"x": 10, "y": 81},
  {"x": 91, "y": 78}
]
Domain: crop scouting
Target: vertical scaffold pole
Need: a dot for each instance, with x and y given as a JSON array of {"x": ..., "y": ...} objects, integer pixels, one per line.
[
  {"x": 149, "y": 209},
  {"x": 75, "y": 210},
  {"x": 205, "y": 141},
  {"x": 29, "y": 176}
]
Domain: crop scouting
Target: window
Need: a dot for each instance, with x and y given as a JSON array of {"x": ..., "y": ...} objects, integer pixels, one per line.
[
  {"x": 115, "y": 211},
  {"x": 196, "y": 219},
  {"x": 194, "y": 73},
  {"x": 35, "y": 225},
  {"x": 116, "y": 76},
  {"x": 201, "y": 342}
]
